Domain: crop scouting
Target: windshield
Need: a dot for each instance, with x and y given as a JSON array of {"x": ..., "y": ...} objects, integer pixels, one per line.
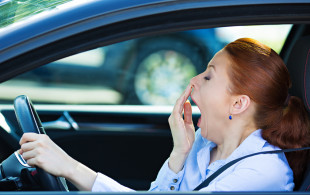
[{"x": 12, "y": 11}]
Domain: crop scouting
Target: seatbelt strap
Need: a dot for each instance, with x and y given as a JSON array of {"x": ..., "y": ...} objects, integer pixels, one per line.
[{"x": 206, "y": 182}]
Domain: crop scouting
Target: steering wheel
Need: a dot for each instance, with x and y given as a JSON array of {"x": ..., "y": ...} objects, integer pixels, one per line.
[{"x": 29, "y": 121}]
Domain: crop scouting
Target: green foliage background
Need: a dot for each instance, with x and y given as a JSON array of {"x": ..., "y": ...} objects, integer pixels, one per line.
[{"x": 15, "y": 10}]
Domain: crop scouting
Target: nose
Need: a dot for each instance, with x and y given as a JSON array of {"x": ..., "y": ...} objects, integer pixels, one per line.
[{"x": 193, "y": 81}]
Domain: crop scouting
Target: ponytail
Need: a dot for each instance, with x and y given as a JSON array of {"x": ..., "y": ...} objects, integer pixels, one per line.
[
  {"x": 292, "y": 131},
  {"x": 258, "y": 71}
]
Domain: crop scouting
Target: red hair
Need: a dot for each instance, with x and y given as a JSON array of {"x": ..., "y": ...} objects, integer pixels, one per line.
[{"x": 259, "y": 72}]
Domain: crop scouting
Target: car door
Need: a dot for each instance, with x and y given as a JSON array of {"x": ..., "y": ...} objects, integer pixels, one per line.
[
  {"x": 127, "y": 142},
  {"x": 108, "y": 125}
]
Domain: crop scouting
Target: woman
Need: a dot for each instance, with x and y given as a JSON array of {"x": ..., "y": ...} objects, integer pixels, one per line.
[{"x": 245, "y": 108}]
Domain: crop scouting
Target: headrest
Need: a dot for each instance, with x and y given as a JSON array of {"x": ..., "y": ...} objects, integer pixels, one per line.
[{"x": 298, "y": 65}]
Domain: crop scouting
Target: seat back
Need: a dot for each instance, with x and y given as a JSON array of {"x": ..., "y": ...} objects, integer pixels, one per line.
[{"x": 299, "y": 67}]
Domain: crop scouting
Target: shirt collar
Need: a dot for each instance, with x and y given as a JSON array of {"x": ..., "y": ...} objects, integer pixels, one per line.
[{"x": 252, "y": 144}]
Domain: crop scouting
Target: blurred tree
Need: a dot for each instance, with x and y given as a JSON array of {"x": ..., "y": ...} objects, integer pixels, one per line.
[{"x": 12, "y": 11}]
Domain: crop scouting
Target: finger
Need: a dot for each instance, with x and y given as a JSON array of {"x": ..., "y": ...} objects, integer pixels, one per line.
[
  {"x": 178, "y": 108},
  {"x": 188, "y": 112},
  {"x": 30, "y": 154},
  {"x": 28, "y": 137},
  {"x": 20, "y": 151},
  {"x": 28, "y": 146},
  {"x": 32, "y": 162},
  {"x": 36, "y": 161},
  {"x": 186, "y": 93}
]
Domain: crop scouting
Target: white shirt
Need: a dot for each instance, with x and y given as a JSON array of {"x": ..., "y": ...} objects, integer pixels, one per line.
[{"x": 265, "y": 172}]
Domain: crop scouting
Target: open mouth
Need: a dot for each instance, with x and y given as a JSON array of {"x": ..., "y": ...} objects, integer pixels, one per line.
[{"x": 199, "y": 120}]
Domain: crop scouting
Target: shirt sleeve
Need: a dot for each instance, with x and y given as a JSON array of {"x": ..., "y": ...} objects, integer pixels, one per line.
[
  {"x": 167, "y": 180},
  {"x": 104, "y": 183},
  {"x": 260, "y": 173}
]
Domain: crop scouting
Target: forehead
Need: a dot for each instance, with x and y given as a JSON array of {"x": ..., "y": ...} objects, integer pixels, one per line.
[{"x": 220, "y": 61}]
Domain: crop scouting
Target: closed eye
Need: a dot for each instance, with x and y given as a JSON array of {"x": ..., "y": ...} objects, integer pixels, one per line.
[{"x": 207, "y": 78}]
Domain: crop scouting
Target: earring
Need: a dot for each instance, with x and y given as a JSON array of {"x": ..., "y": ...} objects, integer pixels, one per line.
[{"x": 230, "y": 117}]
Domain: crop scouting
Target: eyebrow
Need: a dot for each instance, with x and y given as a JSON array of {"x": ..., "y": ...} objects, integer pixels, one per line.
[{"x": 211, "y": 66}]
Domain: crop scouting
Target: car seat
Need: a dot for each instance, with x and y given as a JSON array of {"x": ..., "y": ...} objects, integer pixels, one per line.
[{"x": 298, "y": 65}]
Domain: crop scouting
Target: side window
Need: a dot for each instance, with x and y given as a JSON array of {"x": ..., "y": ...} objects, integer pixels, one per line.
[{"x": 150, "y": 70}]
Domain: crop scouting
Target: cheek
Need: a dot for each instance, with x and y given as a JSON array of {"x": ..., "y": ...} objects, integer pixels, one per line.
[
  {"x": 215, "y": 97},
  {"x": 214, "y": 109},
  {"x": 206, "y": 115},
  {"x": 204, "y": 132}
]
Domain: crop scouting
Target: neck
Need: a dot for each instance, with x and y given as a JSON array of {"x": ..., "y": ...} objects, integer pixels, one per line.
[{"x": 230, "y": 142}]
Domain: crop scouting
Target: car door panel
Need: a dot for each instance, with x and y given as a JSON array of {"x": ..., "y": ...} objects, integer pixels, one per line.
[{"x": 128, "y": 146}]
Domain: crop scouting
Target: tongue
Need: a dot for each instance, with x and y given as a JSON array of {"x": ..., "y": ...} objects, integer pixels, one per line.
[{"x": 199, "y": 121}]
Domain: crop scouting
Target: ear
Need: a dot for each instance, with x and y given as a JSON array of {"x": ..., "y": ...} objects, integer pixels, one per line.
[{"x": 240, "y": 104}]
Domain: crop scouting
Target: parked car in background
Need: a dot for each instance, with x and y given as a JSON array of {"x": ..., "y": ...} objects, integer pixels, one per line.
[{"x": 137, "y": 69}]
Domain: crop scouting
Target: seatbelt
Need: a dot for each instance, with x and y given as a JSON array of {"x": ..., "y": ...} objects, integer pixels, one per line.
[{"x": 206, "y": 182}]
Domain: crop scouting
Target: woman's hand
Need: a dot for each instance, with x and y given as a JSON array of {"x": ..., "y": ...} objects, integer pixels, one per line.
[
  {"x": 39, "y": 150},
  {"x": 183, "y": 131}
]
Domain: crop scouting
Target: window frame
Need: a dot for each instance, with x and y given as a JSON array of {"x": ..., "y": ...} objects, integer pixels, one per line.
[{"x": 89, "y": 33}]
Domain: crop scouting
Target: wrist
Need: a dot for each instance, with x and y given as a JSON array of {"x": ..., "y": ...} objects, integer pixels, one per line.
[
  {"x": 177, "y": 160},
  {"x": 70, "y": 169},
  {"x": 182, "y": 152},
  {"x": 179, "y": 155},
  {"x": 80, "y": 175}
]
